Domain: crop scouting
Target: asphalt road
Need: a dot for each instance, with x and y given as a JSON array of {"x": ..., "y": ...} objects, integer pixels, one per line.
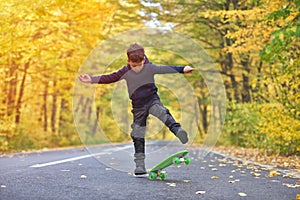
[{"x": 99, "y": 173}]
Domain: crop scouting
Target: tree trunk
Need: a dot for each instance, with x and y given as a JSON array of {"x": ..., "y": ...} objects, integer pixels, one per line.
[
  {"x": 246, "y": 97},
  {"x": 234, "y": 85},
  {"x": 44, "y": 107},
  {"x": 229, "y": 57},
  {"x": 21, "y": 93},
  {"x": 96, "y": 120},
  {"x": 54, "y": 106},
  {"x": 12, "y": 89},
  {"x": 63, "y": 110},
  {"x": 198, "y": 122},
  {"x": 246, "y": 93}
]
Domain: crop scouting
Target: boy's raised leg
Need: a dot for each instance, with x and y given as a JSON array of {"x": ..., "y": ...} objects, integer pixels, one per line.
[{"x": 162, "y": 113}]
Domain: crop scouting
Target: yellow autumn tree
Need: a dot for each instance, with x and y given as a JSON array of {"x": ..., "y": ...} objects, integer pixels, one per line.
[
  {"x": 42, "y": 46},
  {"x": 269, "y": 37}
]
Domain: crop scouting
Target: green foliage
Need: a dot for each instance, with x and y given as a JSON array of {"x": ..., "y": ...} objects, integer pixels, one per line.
[
  {"x": 5, "y": 129},
  {"x": 282, "y": 54},
  {"x": 21, "y": 141},
  {"x": 279, "y": 131},
  {"x": 267, "y": 126},
  {"x": 241, "y": 122}
]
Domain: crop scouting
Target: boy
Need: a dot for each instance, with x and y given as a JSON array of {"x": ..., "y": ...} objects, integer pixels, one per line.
[{"x": 139, "y": 76}]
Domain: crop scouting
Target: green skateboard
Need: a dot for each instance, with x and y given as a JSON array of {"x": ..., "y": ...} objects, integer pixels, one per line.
[{"x": 177, "y": 158}]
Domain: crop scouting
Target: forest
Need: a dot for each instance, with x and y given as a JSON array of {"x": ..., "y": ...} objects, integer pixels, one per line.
[{"x": 254, "y": 46}]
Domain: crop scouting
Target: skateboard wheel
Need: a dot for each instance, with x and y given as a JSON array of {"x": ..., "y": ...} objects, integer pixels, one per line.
[
  {"x": 176, "y": 161},
  {"x": 163, "y": 176},
  {"x": 187, "y": 161},
  {"x": 152, "y": 176}
]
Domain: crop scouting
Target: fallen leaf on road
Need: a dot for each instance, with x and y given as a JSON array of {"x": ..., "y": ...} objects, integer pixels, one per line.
[
  {"x": 288, "y": 175},
  {"x": 249, "y": 167},
  {"x": 230, "y": 162},
  {"x": 275, "y": 181},
  {"x": 291, "y": 185},
  {"x": 255, "y": 174},
  {"x": 200, "y": 192},
  {"x": 233, "y": 181},
  {"x": 171, "y": 184},
  {"x": 242, "y": 194},
  {"x": 83, "y": 176},
  {"x": 224, "y": 160},
  {"x": 113, "y": 163},
  {"x": 273, "y": 173}
]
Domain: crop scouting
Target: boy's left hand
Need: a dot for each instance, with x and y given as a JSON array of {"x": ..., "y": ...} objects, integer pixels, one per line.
[{"x": 188, "y": 69}]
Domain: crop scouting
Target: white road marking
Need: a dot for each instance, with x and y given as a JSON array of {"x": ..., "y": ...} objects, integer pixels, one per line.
[{"x": 106, "y": 151}]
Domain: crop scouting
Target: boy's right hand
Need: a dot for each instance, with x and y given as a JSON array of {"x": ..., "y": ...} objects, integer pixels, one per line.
[
  {"x": 188, "y": 69},
  {"x": 85, "y": 78}
]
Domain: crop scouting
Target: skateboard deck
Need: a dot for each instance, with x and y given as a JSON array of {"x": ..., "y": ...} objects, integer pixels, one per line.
[{"x": 176, "y": 158}]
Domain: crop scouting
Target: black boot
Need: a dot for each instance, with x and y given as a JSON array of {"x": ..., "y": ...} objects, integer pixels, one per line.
[
  {"x": 139, "y": 159},
  {"x": 182, "y": 135}
]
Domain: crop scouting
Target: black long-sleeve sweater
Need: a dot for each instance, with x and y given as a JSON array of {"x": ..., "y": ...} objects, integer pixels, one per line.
[{"x": 141, "y": 86}]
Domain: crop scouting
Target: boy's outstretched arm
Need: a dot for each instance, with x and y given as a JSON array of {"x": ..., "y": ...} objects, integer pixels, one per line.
[
  {"x": 171, "y": 69},
  {"x": 106, "y": 78}
]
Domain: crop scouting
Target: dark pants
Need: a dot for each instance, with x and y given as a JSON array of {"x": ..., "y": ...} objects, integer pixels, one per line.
[{"x": 140, "y": 116}]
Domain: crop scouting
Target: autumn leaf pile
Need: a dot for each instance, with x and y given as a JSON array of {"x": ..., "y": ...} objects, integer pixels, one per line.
[{"x": 262, "y": 157}]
